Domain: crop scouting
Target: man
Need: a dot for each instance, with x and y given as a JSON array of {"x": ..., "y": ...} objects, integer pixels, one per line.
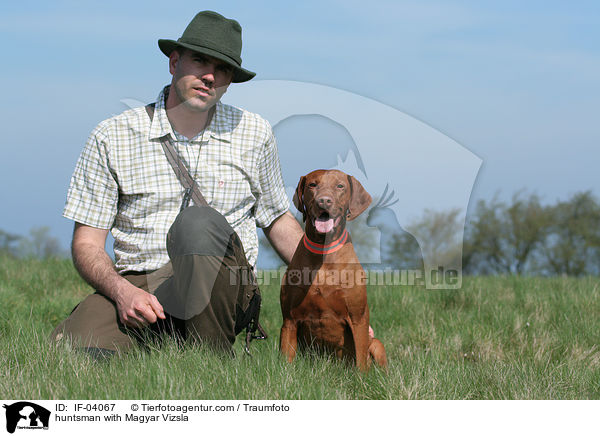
[{"x": 176, "y": 272}]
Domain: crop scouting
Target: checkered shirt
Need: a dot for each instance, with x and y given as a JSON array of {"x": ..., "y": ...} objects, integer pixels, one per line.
[{"x": 124, "y": 182}]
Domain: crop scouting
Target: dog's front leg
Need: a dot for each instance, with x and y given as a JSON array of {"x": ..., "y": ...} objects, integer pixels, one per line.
[
  {"x": 288, "y": 342},
  {"x": 360, "y": 335}
]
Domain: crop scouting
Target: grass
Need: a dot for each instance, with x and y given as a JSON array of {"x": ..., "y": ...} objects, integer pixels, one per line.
[{"x": 497, "y": 338}]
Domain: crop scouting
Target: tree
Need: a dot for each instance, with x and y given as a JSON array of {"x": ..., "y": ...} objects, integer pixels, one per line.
[
  {"x": 504, "y": 238},
  {"x": 403, "y": 252},
  {"x": 398, "y": 248},
  {"x": 40, "y": 244},
  {"x": 484, "y": 249},
  {"x": 573, "y": 244},
  {"x": 439, "y": 232},
  {"x": 6, "y": 243},
  {"x": 440, "y": 235},
  {"x": 528, "y": 225}
]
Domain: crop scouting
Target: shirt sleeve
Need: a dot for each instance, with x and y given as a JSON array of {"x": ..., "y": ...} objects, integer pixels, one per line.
[
  {"x": 93, "y": 192},
  {"x": 273, "y": 201}
]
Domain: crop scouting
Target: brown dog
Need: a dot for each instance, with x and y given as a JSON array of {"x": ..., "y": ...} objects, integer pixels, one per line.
[{"x": 323, "y": 294}]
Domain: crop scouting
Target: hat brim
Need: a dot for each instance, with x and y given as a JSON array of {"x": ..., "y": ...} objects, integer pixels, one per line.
[{"x": 239, "y": 74}]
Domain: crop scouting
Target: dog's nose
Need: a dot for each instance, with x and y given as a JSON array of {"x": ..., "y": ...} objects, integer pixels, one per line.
[{"x": 324, "y": 202}]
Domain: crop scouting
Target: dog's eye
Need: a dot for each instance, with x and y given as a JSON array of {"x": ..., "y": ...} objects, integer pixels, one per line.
[
  {"x": 312, "y": 185},
  {"x": 340, "y": 186}
]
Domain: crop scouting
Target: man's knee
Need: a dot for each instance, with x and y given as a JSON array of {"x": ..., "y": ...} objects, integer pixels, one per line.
[
  {"x": 199, "y": 230},
  {"x": 93, "y": 324}
]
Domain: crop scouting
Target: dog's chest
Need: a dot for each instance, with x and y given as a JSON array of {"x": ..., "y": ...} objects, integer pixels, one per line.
[
  {"x": 325, "y": 294},
  {"x": 323, "y": 311}
]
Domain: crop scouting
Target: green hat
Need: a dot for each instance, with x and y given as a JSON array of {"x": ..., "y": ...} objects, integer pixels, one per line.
[{"x": 214, "y": 35}]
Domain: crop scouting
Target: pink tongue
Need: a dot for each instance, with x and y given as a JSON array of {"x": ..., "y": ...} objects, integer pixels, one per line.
[{"x": 324, "y": 225}]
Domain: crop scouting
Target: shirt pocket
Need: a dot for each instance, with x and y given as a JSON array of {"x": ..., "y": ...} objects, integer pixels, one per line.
[{"x": 231, "y": 192}]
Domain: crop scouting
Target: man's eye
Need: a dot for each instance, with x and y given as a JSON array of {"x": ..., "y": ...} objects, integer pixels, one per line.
[
  {"x": 225, "y": 68},
  {"x": 340, "y": 186}
]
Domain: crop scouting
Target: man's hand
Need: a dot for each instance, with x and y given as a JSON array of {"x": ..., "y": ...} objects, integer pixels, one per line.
[{"x": 136, "y": 307}]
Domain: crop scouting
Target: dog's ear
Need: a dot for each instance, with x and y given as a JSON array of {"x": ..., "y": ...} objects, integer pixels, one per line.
[
  {"x": 359, "y": 200},
  {"x": 299, "y": 197}
]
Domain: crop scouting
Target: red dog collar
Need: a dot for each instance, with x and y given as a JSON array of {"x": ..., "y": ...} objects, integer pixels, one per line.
[{"x": 313, "y": 247}]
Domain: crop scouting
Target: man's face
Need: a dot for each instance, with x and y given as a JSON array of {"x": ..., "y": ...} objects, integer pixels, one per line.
[{"x": 199, "y": 80}]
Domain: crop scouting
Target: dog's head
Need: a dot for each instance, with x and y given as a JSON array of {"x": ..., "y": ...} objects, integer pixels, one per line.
[{"x": 327, "y": 198}]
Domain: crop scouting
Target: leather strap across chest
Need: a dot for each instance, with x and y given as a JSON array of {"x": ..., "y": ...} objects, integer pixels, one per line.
[
  {"x": 183, "y": 175},
  {"x": 332, "y": 247}
]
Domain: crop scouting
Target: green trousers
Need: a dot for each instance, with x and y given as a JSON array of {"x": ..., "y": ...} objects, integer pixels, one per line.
[{"x": 207, "y": 276}]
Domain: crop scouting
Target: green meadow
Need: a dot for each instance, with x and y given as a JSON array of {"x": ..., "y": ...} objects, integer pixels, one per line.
[{"x": 502, "y": 337}]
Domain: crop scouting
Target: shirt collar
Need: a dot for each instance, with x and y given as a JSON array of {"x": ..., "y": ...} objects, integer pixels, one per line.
[
  {"x": 161, "y": 126},
  {"x": 219, "y": 127}
]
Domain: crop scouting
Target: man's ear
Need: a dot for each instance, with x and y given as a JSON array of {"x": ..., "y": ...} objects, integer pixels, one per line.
[
  {"x": 173, "y": 59},
  {"x": 299, "y": 197},
  {"x": 359, "y": 200}
]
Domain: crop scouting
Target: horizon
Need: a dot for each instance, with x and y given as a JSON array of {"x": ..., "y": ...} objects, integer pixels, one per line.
[{"x": 515, "y": 84}]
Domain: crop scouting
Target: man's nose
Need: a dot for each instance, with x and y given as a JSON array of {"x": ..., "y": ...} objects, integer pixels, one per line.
[{"x": 208, "y": 75}]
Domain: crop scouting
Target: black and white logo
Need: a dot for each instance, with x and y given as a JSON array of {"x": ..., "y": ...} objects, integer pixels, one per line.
[{"x": 26, "y": 415}]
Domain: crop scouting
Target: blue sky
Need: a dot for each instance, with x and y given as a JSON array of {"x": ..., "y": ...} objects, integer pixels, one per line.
[{"x": 517, "y": 83}]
